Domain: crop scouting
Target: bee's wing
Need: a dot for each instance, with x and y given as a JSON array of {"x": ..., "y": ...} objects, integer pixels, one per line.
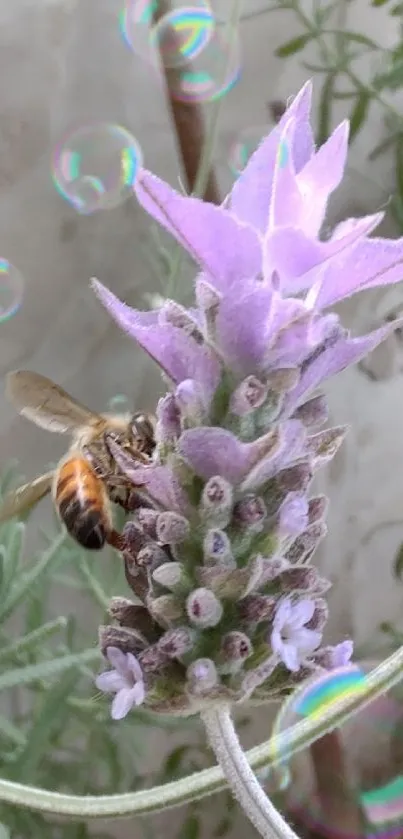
[
  {"x": 46, "y": 404},
  {"x": 21, "y": 499}
]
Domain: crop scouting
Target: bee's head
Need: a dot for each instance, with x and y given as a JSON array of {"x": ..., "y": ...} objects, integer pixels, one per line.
[{"x": 142, "y": 429}]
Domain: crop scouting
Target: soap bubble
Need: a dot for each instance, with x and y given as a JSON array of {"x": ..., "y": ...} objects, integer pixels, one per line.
[
  {"x": 95, "y": 167},
  {"x": 245, "y": 144},
  {"x": 135, "y": 22},
  {"x": 119, "y": 404},
  {"x": 372, "y": 754},
  {"x": 213, "y": 70},
  {"x": 12, "y": 288},
  {"x": 183, "y": 33}
]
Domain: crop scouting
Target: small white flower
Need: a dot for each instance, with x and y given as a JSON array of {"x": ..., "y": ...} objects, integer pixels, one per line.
[
  {"x": 290, "y": 638},
  {"x": 125, "y": 680}
]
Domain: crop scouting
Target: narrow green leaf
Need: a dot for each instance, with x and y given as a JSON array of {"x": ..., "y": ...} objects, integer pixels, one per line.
[
  {"x": 10, "y": 732},
  {"x": 34, "y": 639},
  {"x": 94, "y": 586},
  {"x": 46, "y": 669},
  {"x": 397, "y": 10},
  {"x": 358, "y": 38},
  {"x": 190, "y": 828},
  {"x": 325, "y": 108},
  {"x": 377, "y": 3},
  {"x": 359, "y": 113},
  {"x": 173, "y": 762},
  {"x": 292, "y": 46},
  {"x": 52, "y": 716},
  {"x": 399, "y": 168},
  {"x": 381, "y": 147},
  {"x": 25, "y": 582}
]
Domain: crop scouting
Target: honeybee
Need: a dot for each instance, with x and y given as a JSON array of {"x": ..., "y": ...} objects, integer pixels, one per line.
[{"x": 87, "y": 479}]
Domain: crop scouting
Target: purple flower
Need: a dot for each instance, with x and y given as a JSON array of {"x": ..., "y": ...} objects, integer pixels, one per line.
[
  {"x": 125, "y": 680},
  {"x": 290, "y": 639},
  {"x": 237, "y": 439}
]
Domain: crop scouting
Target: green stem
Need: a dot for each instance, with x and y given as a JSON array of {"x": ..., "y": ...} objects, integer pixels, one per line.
[
  {"x": 209, "y": 781},
  {"x": 241, "y": 779}
]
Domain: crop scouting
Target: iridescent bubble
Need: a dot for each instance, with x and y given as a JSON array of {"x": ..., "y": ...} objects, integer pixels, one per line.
[
  {"x": 370, "y": 753},
  {"x": 135, "y": 22},
  {"x": 12, "y": 288},
  {"x": 245, "y": 144},
  {"x": 212, "y": 72},
  {"x": 119, "y": 404},
  {"x": 95, "y": 167},
  {"x": 183, "y": 33}
]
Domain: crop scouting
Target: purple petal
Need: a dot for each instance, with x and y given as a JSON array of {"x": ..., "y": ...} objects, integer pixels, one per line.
[
  {"x": 306, "y": 641},
  {"x": 138, "y": 693},
  {"x": 287, "y": 205},
  {"x": 283, "y": 613},
  {"x": 225, "y": 248},
  {"x": 122, "y": 704},
  {"x": 294, "y": 514},
  {"x": 160, "y": 481},
  {"x": 242, "y": 327},
  {"x": 302, "y": 612},
  {"x": 291, "y": 446},
  {"x": 344, "y": 353},
  {"x": 215, "y": 451},
  {"x": 341, "y": 653},
  {"x": 118, "y": 660},
  {"x": 292, "y": 253},
  {"x": 371, "y": 263},
  {"x": 251, "y": 194},
  {"x": 134, "y": 667},
  {"x": 177, "y": 353},
  {"x": 290, "y": 657},
  {"x": 110, "y": 682},
  {"x": 277, "y": 642},
  {"x": 321, "y": 175}
]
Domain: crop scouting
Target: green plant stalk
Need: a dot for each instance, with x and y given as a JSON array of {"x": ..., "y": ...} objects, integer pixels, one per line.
[
  {"x": 241, "y": 779},
  {"x": 209, "y": 781}
]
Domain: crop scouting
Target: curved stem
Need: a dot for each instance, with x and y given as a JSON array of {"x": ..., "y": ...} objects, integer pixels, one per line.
[
  {"x": 200, "y": 784},
  {"x": 241, "y": 779}
]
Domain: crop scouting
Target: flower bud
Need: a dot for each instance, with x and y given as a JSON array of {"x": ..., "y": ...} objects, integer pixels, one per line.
[
  {"x": 168, "y": 426},
  {"x": 203, "y": 608},
  {"x": 169, "y": 574},
  {"x": 217, "y": 550},
  {"x": 134, "y": 539},
  {"x": 165, "y": 609},
  {"x": 188, "y": 397},
  {"x": 151, "y": 556},
  {"x": 249, "y": 395},
  {"x": 202, "y": 676},
  {"x": 208, "y": 299},
  {"x": 257, "y": 608},
  {"x": 255, "y": 678},
  {"x": 147, "y": 519},
  {"x": 320, "y": 615},
  {"x": 314, "y": 412},
  {"x": 175, "y": 314},
  {"x": 305, "y": 545},
  {"x": 235, "y": 649},
  {"x": 302, "y": 578},
  {"x": 216, "y": 502},
  {"x": 176, "y": 642},
  {"x": 283, "y": 379},
  {"x": 126, "y": 639},
  {"x": 152, "y": 659},
  {"x": 273, "y": 567},
  {"x": 295, "y": 478},
  {"x": 324, "y": 445},
  {"x": 293, "y": 515},
  {"x": 250, "y": 512},
  {"x": 172, "y": 528},
  {"x": 317, "y": 508}
]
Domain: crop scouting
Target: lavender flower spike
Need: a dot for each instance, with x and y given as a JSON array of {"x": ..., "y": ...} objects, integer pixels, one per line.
[{"x": 237, "y": 440}]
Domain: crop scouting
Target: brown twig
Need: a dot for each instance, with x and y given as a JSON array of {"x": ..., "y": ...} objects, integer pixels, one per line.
[
  {"x": 340, "y": 811},
  {"x": 189, "y": 124}
]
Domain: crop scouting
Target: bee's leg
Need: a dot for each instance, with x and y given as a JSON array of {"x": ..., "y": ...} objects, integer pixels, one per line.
[{"x": 96, "y": 461}]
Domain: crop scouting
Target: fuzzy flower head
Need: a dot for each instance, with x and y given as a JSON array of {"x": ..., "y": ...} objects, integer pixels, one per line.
[{"x": 219, "y": 554}]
